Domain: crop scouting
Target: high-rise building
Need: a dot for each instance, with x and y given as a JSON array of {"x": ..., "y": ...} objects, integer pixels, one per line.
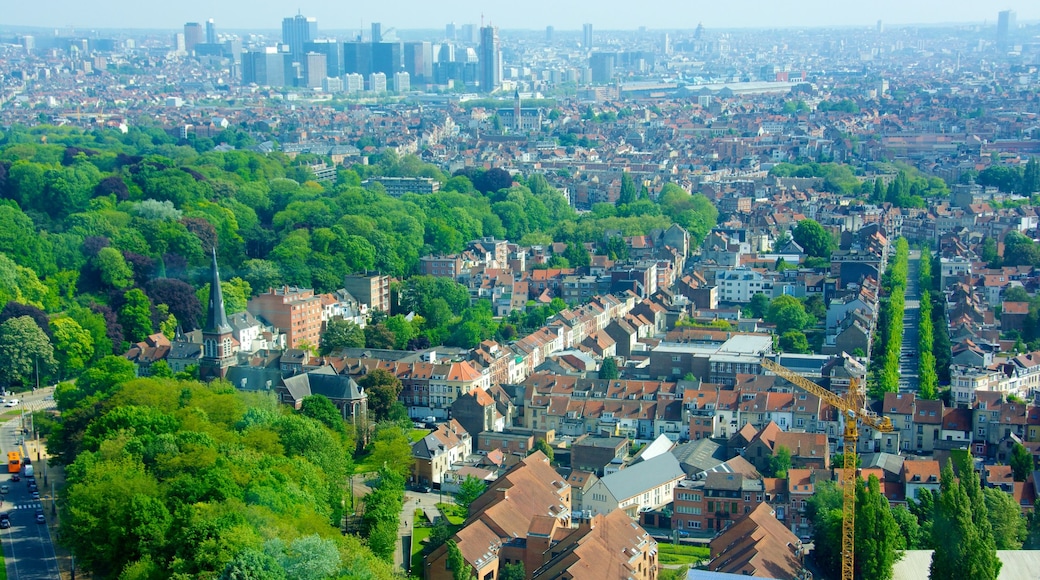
[
  {"x": 178, "y": 42},
  {"x": 266, "y": 67},
  {"x": 603, "y": 65},
  {"x": 586, "y": 36},
  {"x": 1007, "y": 22},
  {"x": 333, "y": 52},
  {"x": 211, "y": 32},
  {"x": 314, "y": 70},
  {"x": 357, "y": 58},
  {"x": 880, "y": 27},
  {"x": 549, "y": 32},
  {"x": 377, "y": 82},
  {"x": 490, "y": 60},
  {"x": 402, "y": 82},
  {"x": 377, "y": 32},
  {"x": 449, "y": 31},
  {"x": 353, "y": 83},
  {"x": 193, "y": 34},
  {"x": 387, "y": 58},
  {"x": 296, "y": 31},
  {"x": 418, "y": 61},
  {"x": 469, "y": 33}
]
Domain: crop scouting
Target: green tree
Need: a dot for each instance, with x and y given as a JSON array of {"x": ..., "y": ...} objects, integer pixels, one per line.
[
  {"x": 780, "y": 462},
  {"x": 545, "y": 448},
  {"x": 320, "y": 408},
  {"x": 340, "y": 333},
  {"x": 253, "y": 564},
  {"x": 908, "y": 527},
  {"x": 628, "y": 189},
  {"x": 460, "y": 570},
  {"x": 609, "y": 369},
  {"x": 794, "y": 341},
  {"x": 469, "y": 490},
  {"x": 382, "y": 388},
  {"x": 25, "y": 351},
  {"x": 878, "y": 536},
  {"x": 1021, "y": 462},
  {"x": 113, "y": 268},
  {"x": 962, "y": 549},
  {"x": 759, "y": 305},
  {"x": 136, "y": 315},
  {"x": 787, "y": 313},
  {"x": 73, "y": 346},
  {"x": 513, "y": 572},
  {"x": 811, "y": 236},
  {"x": 1005, "y": 517}
]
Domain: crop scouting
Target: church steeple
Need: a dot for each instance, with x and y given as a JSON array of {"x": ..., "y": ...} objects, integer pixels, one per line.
[
  {"x": 216, "y": 317},
  {"x": 218, "y": 346}
]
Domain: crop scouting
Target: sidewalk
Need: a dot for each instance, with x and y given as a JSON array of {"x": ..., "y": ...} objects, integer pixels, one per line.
[{"x": 51, "y": 479}]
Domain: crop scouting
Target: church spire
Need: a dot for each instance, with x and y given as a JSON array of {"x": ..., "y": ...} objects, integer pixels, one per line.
[{"x": 216, "y": 317}]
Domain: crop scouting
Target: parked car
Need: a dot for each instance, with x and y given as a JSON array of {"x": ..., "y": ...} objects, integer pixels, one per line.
[
  {"x": 5, "y": 521},
  {"x": 5, "y": 489},
  {"x": 684, "y": 534},
  {"x": 39, "y": 517},
  {"x": 35, "y": 495}
]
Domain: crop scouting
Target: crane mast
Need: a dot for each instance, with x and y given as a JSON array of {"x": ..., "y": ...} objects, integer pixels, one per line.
[{"x": 851, "y": 407}]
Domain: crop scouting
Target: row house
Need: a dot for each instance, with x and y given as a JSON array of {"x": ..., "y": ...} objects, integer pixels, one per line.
[
  {"x": 436, "y": 453},
  {"x": 917, "y": 423},
  {"x": 721, "y": 497},
  {"x": 428, "y": 388}
]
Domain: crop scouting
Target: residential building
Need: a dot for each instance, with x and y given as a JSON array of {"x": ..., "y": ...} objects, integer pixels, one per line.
[
  {"x": 295, "y": 311},
  {"x": 758, "y": 545},
  {"x": 644, "y": 485},
  {"x": 437, "y": 452},
  {"x": 370, "y": 289}
]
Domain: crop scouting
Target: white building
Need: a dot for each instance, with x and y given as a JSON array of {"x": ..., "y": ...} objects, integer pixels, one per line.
[
  {"x": 377, "y": 82},
  {"x": 740, "y": 284},
  {"x": 645, "y": 485},
  {"x": 402, "y": 82},
  {"x": 353, "y": 83}
]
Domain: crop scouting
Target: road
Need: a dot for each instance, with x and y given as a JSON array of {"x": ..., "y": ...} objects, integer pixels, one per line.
[
  {"x": 28, "y": 547},
  {"x": 911, "y": 315}
]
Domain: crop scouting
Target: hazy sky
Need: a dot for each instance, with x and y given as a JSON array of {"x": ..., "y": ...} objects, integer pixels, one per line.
[{"x": 536, "y": 14}]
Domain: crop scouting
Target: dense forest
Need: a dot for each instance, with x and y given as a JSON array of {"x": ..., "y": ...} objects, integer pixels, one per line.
[
  {"x": 169, "y": 478},
  {"x": 105, "y": 237}
]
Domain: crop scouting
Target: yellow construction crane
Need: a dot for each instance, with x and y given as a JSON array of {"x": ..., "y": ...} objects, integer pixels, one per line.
[{"x": 851, "y": 406}]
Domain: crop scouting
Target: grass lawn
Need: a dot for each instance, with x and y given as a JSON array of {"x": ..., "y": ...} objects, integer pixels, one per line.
[
  {"x": 670, "y": 574},
  {"x": 364, "y": 464},
  {"x": 418, "y": 536},
  {"x": 417, "y": 434},
  {"x": 672, "y": 554},
  {"x": 453, "y": 512}
]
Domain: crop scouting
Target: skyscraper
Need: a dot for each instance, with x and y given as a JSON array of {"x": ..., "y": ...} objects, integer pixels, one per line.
[
  {"x": 418, "y": 61},
  {"x": 296, "y": 31},
  {"x": 357, "y": 58},
  {"x": 192, "y": 35},
  {"x": 1007, "y": 22},
  {"x": 586, "y": 36},
  {"x": 449, "y": 31},
  {"x": 211, "y": 32},
  {"x": 549, "y": 30},
  {"x": 490, "y": 60},
  {"x": 387, "y": 58},
  {"x": 333, "y": 52},
  {"x": 377, "y": 32}
]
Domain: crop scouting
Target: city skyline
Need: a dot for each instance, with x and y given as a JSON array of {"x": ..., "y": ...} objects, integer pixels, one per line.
[{"x": 660, "y": 14}]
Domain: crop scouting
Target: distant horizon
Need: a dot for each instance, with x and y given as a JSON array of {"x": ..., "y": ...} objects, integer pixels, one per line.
[{"x": 609, "y": 15}]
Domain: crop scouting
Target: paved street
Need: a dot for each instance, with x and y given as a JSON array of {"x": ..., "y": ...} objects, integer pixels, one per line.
[
  {"x": 911, "y": 314},
  {"x": 28, "y": 546}
]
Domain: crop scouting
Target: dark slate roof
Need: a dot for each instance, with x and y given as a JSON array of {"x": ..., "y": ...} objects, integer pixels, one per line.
[
  {"x": 254, "y": 378},
  {"x": 324, "y": 381}
]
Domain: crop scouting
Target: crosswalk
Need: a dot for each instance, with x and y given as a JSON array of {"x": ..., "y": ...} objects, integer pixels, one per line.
[{"x": 29, "y": 505}]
